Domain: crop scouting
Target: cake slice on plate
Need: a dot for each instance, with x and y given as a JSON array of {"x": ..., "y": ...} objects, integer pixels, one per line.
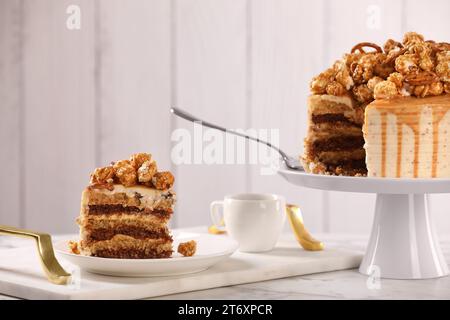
[{"x": 125, "y": 211}]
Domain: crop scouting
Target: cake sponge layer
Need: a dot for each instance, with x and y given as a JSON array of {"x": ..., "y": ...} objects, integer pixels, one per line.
[{"x": 126, "y": 247}]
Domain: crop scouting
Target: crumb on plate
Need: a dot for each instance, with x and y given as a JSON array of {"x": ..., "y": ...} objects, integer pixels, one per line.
[
  {"x": 187, "y": 249},
  {"x": 73, "y": 246}
]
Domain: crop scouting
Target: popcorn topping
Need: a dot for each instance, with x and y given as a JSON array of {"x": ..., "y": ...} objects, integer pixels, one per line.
[
  {"x": 362, "y": 93},
  {"x": 138, "y": 159},
  {"x": 125, "y": 173},
  {"x": 397, "y": 79},
  {"x": 334, "y": 88},
  {"x": 146, "y": 171},
  {"x": 103, "y": 175},
  {"x": 411, "y": 67},
  {"x": 163, "y": 180},
  {"x": 187, "y": 249},
  {"x": 385, "y": 90},
  {"x": 141, "y": 169}
]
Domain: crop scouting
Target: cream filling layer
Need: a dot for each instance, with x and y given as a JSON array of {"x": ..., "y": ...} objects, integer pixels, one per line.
[{"x": 149, "y": 197}]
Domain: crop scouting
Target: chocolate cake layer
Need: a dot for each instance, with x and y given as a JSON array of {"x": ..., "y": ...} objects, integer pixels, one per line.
[
  {"x": 356, "y": 164},
  {"x": 336, "y": 157},
  {"x": 113, "y": 221},
  {"x": 337, "y": 144},
  {"x": 135, "y": 232},
  {"x": 348, "y": 168},
  {"x": 117, "y": 208},
  {"x": 333, "y": 117},
  {"x": 132, "y": 254}
]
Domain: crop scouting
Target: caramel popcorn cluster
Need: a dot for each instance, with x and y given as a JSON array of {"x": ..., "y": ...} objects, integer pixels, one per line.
[
  {"x": 139, "y": 169},
  {"x": 414, "y": 67},
  {"x": 187, "y": 249},
  {"x": 74, "y": 247}
]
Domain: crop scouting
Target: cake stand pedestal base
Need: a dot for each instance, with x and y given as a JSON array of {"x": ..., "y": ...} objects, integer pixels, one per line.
[{"x": 403, "y": 243}]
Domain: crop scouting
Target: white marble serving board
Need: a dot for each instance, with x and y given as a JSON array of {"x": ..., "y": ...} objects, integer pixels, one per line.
[{"x": 21, "y": 275}]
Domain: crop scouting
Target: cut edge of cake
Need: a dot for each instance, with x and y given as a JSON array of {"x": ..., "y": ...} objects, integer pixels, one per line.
[{"x": 334, "y": 142}]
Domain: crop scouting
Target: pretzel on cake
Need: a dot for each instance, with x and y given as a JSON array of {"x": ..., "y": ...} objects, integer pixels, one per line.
[
  {"x": 421, "y": 78},
  {"x": 359, "y": 47}
]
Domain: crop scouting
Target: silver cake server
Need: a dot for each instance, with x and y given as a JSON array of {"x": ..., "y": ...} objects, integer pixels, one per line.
[{"x": 291, "y": 162}]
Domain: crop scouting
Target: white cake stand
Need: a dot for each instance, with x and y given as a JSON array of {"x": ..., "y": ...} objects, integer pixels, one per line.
[{"x": 403, "y": 243}]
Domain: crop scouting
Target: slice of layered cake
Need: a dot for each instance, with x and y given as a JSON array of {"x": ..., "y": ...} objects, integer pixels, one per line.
[
  {"x": 125, "y": 211},
  {"x": 399, "y": 95}
]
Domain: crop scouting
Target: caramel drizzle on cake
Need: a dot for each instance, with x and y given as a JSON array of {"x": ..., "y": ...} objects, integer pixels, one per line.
[
  {"x": 409, "y": 112},
  {"x": 383, "y": 143},
  {"x": 399, "y": 148}
]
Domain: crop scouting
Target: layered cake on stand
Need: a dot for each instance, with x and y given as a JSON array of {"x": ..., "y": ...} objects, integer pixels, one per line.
[
  {"x": 125, "y": 211},
  {"x": 382, "y": 112},
  {"x": 379, "y": 122}
]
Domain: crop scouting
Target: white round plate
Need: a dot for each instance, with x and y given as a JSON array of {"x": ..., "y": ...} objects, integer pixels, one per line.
[
  {"x": 365, "y": 184},
  {"x": 211, "y": 249}
]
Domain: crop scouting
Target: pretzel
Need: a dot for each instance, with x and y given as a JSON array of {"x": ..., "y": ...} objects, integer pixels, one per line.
[
  {"x": 441, "y": 46},
  {"x": 359, "y": 47},
  {"x": 422, "y": 78},
  {"x": 397, "y": 44},
  {"x": 391, "y": 58}
]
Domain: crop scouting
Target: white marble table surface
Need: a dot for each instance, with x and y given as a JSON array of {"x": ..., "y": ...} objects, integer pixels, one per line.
[{"x": 347, "y": 284}]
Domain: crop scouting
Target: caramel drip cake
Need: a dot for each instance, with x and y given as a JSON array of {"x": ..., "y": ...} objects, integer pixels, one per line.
[
  {"x": 125, "y": 211},
  {"x": 382, "y": 112}
]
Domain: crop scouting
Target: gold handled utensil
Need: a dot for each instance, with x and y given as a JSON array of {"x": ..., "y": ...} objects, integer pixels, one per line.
[
  {"x": 52, "y": 269},
  {"x": 304, "y": 238},
  {"x": 217, "y": 229},
  {"x": 295, "y": 218}
]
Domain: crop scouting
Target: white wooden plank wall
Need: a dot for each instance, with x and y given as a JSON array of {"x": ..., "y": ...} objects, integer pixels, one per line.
[
  {"x": 58, "y": 122},
  {"x": 210, "y": 83},
  {"x": 11, "y": 111},
  {"x": 74, "y": 99},
  {"x": 134, "y": 79},
  {"x": 286, "y": 52}
]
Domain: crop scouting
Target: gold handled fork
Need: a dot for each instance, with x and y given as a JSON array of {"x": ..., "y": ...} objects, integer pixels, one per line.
[{"x": 52, "y": 269}]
